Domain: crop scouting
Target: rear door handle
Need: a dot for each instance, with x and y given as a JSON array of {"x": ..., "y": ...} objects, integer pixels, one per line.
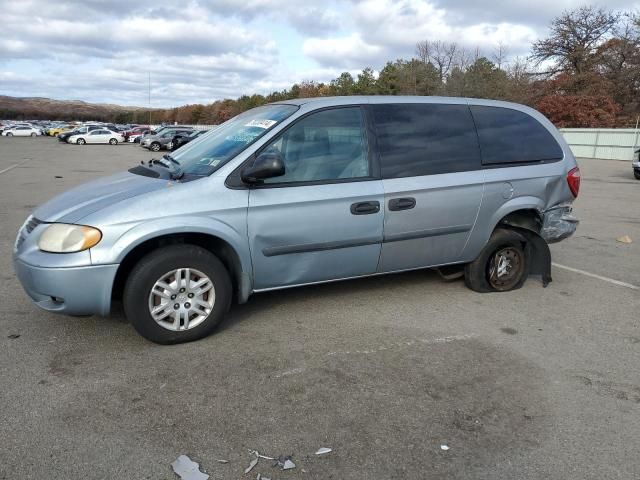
[
  {"x": 406, "y": 203},
  {"x": 365, "y": 208}
]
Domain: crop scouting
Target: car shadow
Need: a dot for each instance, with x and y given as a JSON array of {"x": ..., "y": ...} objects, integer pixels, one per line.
[{"x": 374, "y": 286}]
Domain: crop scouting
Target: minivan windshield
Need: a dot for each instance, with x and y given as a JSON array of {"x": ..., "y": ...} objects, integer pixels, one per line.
[{"x": 210, "y": 151}]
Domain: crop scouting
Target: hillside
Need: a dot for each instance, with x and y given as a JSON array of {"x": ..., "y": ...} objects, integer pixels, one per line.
[{"x": 50, "y": 109}]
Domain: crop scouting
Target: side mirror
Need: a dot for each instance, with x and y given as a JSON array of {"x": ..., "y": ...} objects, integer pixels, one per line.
[{"x": 266, "y": 165}]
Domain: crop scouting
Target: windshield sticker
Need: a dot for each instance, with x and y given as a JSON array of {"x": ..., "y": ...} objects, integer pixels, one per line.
[
  {"x": 211, "y": 161},
  {"x": 261, "y": 123}
]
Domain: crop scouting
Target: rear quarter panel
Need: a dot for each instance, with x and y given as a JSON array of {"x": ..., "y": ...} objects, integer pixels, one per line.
[{"x": 535, "y": 187}]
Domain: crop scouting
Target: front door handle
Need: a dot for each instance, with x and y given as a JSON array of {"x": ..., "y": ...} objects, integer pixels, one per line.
[
  {"x": 365, "y": 208},
  {"x": 406, "y": 203}
]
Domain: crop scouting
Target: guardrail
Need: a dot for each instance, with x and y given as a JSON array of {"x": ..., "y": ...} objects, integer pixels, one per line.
[{"x": 603, "y": 143}]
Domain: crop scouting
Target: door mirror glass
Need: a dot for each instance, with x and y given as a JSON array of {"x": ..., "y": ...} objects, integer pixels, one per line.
[{"x": 268, "y": 164}]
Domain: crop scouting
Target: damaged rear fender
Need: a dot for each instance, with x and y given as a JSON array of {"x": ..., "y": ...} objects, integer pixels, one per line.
[{"x": 538, "y": 252}]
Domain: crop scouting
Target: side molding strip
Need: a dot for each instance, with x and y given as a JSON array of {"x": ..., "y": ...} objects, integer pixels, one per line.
[
  {"x": 317, "y": 247},
  {"x": 320, "y": 247},
  {"x": 432, "y": 232}
]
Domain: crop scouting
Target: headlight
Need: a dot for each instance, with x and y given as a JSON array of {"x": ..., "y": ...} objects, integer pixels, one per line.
[{"x": 64, "y": 238}]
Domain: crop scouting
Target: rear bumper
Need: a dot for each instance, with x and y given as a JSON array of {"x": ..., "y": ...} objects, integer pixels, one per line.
[
  {"x": 558, "y": 223},
  {"x": 72, "y": 291}
]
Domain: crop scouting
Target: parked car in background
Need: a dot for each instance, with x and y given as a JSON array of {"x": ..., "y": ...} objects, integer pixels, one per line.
[
  {"x": 162, "y": 129},
  {"x": 57, "y": 130},
  {"x": 303, "y": 192},
  {"x": 161, "y": 139},
  {"x": 137, "y": 137},
  {"x": 10, "y": 126},
  {"x": 182, "y": 138},
  {"x": 64, "y": 136},
  {"x": 22, "y": 132},
  {"x": 97, "y": 136},
  {"x": 636, "y": 165},
  {"x": 135, "y": 132}
]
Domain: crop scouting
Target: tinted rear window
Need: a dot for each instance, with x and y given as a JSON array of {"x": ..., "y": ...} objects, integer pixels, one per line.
[
  {"x": 425, "y": 139},
  {"x": 511, "y": 136}
]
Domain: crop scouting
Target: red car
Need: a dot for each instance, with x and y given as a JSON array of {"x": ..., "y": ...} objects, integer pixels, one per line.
[{"x": 134, "y": 132}]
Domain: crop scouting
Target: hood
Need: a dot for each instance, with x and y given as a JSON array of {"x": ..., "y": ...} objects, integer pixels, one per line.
[{"x": 77, "y": 203}]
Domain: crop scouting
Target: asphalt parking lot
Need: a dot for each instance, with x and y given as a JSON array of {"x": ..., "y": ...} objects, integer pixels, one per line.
[{"x": 536, "y": 383}]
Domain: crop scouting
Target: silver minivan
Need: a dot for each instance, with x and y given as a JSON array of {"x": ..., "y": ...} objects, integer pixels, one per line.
[{"x": 303, "y": 192}]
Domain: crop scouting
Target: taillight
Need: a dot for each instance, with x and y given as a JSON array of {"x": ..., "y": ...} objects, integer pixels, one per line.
[{"x": 573, "y": 179}]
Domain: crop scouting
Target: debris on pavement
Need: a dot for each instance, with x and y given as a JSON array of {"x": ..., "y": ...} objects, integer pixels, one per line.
[
  {"x": 13, "y": 336},
  {"x": 220, "y": 460},
  {"x": 260, "y": 477},
  {"x": 323, "y": 450},
  {"x": 444, "y": 447},
  {"x": 624, "y": 239},
  {"x": 285, "y": 462},
  {"x": 261, "y": 456},
  {"x": 253, "y": 463},
  {"x": 187, "y": 469},
  {"x": 257, "y": 456}
]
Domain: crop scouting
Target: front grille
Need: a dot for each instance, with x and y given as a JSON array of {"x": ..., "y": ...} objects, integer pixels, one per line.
[
  {"x": 32, "y": 223},
  {"x": 26, "y": 229}
]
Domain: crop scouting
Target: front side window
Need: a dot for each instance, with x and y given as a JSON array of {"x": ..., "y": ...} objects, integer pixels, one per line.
[
  {"x": 210, "y": 152},
  {"x": 325, "y": 146},
  {"x": 425, "y": 139},
  {"x": 510, "y": 136}
]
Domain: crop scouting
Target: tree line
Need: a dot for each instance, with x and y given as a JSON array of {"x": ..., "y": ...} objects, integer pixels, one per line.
[{"x": 584, "y": 73}]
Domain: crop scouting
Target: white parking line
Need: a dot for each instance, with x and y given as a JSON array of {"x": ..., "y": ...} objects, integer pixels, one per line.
[
  {"x": 599, "y": 277},
  {"x": 14, "y": 166}
]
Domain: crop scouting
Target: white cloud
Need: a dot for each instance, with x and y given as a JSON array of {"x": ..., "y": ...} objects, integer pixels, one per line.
[
  {"x": 388, "y": 29},
  {"x": 341, "y": 51},
  {"x": 203, "y": 50}
]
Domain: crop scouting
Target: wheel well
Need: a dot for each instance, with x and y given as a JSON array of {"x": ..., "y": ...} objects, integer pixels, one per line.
[
  {"x": 529, "y": 219},
  {"x": 215, "y": 245}
]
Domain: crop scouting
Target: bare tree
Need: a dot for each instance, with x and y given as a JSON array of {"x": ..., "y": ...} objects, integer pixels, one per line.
[
  {"x": 574, "y": 39},
  {"x": 464, "y": 58},
  {"x": 440, "y": 54},
  {"x": 499, "y": 56}
]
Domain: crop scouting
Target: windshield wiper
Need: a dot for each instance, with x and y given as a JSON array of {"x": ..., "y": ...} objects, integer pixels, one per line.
[
  {"x": 170, "y": 164},
  {"x": 170, "y": 158}
]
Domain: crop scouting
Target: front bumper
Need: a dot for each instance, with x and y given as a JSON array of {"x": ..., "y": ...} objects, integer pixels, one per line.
[
  {"x": 558, "y": 223},
  {"x": 73, "y": 291}
]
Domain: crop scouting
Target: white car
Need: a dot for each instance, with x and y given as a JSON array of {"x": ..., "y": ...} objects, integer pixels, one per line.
[
  {"x": 22, "y": 131},
  {"x": 97, "y": 136}
]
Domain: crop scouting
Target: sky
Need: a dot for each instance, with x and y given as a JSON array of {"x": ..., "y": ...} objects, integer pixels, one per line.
[{"x": 199, "y": 51}]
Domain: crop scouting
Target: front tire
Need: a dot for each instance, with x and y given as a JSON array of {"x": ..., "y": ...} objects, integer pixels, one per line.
[
  {"x": 9, "y": 134},
  {"x": 177, "y": 294},
  {"x": 636, "y": 173},
  {"x": 155, "y": 147},
  {"x": 81, "y": 141},
  {"x": 113, "y": 141},
  {"x": 502, "y": 266},
  {"x": 33, "y": 135}
]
